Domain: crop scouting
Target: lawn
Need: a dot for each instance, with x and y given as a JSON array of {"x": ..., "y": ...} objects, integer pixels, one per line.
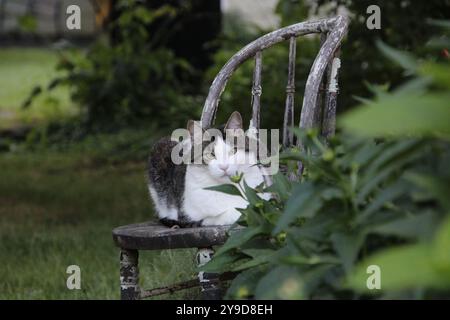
[
  {"x": 21, "y": 69},
  {"x": 59, "y": 209}
]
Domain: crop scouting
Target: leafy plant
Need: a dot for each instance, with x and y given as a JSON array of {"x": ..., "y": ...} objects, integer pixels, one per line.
[
  {"x": 376, "y": 194},
  {"x": 305, "y": 241}
]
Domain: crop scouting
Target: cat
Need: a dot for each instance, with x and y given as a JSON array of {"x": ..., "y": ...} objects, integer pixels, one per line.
[{"x": 178, "y": 190}]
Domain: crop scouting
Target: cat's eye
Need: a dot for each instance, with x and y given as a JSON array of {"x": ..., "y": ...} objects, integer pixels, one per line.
[{"x": 209, "y": 156}]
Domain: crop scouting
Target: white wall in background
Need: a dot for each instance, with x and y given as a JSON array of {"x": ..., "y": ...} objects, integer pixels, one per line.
[{"x": 254, "y": 12}]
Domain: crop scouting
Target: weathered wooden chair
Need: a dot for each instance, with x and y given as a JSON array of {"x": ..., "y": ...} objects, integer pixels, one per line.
[{"x": 317, "y": 111}]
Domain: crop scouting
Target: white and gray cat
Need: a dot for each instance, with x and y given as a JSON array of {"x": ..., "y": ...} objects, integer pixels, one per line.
[{"x": 178, "y": 191}]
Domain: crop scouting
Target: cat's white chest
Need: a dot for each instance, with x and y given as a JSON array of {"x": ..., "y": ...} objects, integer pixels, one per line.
[{"x": 212, "y": 207}]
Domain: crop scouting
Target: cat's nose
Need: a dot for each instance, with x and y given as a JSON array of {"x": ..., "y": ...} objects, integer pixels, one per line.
[{"x": 223, "y": 166}]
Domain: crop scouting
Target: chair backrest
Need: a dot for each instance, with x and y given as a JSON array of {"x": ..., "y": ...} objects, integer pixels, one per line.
[{"x": 332, "y": 32}]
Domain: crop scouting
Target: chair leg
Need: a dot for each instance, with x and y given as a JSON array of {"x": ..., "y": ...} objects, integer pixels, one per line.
[
  {"x": 129, "y": 275},
  {"x": 209, "y": 282}
]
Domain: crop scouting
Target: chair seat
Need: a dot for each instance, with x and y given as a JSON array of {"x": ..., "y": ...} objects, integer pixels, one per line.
[{"x": 155, "y": 236}]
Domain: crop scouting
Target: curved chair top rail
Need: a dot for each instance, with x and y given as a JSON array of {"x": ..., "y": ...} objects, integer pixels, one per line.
[{"x": 335, "y": 28}]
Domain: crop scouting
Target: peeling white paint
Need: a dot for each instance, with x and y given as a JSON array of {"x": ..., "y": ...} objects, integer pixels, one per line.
[
  {"x": 128, "y": 286},
  {"x": 333, "y": 86},
  {"x": 204, "y": 256}
]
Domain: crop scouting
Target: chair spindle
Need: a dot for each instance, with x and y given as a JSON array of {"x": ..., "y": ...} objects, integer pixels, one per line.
[
  {"x": 318, "y": 112},
  {"x": 288, "y": 135},
  {"x": 256, "y": 91}
]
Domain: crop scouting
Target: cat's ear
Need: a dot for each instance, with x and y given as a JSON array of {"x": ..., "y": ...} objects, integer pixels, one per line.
[
  {"x": 194, "y": 127},
  {"x": 235, "y": 121}
]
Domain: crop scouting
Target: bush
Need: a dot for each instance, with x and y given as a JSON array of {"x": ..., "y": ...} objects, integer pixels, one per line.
[{"x": 131, "y": 82}]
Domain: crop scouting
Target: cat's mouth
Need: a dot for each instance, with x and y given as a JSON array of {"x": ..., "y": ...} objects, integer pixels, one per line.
[{"x": 226, "y": 174}]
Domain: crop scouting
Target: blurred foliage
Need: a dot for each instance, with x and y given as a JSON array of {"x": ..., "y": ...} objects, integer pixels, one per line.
[
  {"x": 358, "y": 53},
  {"x": 132, "y": 82},
  {"x": 361, "y": 62},
  {"x": 356, "y": 198},
  {"x": 136, "y": 79},
  {"x": 403, "y": 26},
  {"x": 27, "y": 23},
  {"x": 418, "y": 107},
  {"x": 359, "y": 202}
]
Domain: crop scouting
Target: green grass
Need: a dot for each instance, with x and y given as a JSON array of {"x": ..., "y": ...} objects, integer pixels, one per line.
[
  {"x": 21, "y": 69},
  {"x": 57, "y": 210}
]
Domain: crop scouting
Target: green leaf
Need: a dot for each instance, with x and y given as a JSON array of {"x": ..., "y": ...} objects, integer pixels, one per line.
[
  {"x": 383, "y": 197},
  {"x": 311, "y": 260},
  {"x": 255, "y": 253},
  {"x": 441, "y": 250},
  {"x": 259, "y": 256},
  {"x": 253, "y": 218},
  {"x": 304, "y": 202},
  {"x": 282, "y": 282},
  {"x": 401, "y": 268},
  {"x": 245, "y": 282},
  {"x": 280, "y": 186},
  {"x": 251, "y": 195},
  {"x": 415, "y": 86},
  {"x": 347, "y": 247},
  {"x": 238, "y": 238},
  {"x": 437, "y": 187},
  {"x": 378, "y": 90},
  {"x": 439, "y": 72},
  {"x": 314, "y": 279},
  {"x": 392, "y": 157},
  {"x": 366, "y": 153},
  {"x": 401, "y": 115},
  {"x": 383, "y": 167},
  {"x": 418, "y": 226},
  {"x": 362, "y": 100},
  {"x": 315, "y": 228},
  {"x": 404, "y": 59},
  {"x": 332, "y": 193},
  {"x": 388, "y": 153},
  {"x": 230, "y": 189}
]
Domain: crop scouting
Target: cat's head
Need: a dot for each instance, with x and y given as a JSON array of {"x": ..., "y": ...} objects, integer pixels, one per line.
[{"x": 227, "y": 150}]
